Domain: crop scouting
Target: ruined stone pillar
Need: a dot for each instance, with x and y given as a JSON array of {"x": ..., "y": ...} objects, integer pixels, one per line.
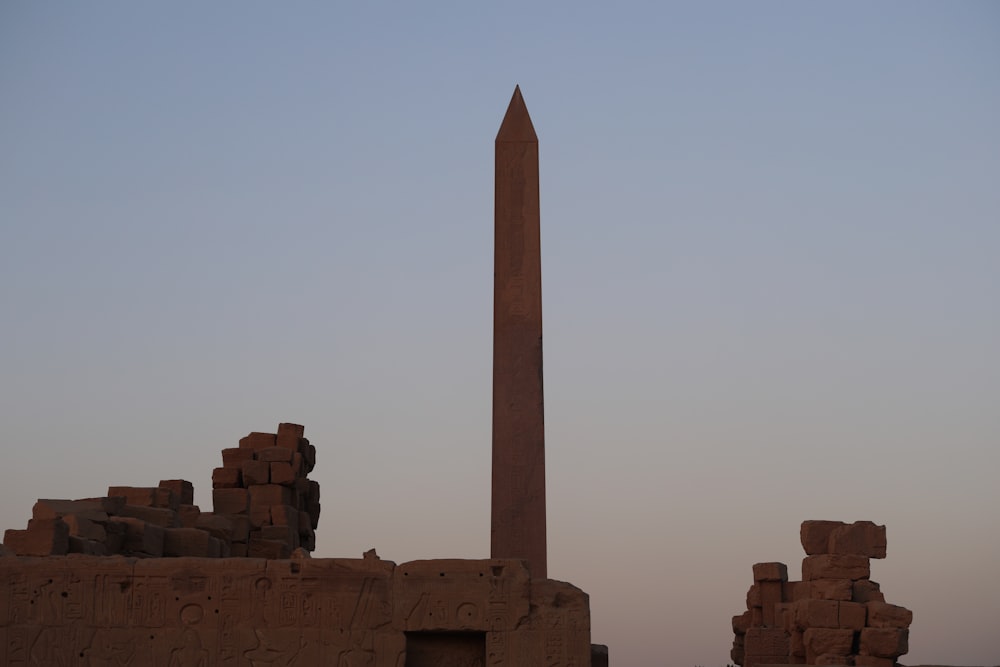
[{"x": 518, "y": 513}]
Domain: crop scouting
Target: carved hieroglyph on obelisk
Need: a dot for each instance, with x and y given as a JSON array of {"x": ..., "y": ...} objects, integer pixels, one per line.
[{"x": 518, "y": 526}]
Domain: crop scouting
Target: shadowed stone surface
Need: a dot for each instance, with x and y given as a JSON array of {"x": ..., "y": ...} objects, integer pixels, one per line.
[{"x": 518, "y": 501}]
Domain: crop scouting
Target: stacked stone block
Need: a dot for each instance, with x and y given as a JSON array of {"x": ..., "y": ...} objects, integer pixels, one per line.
[
  {"x": 265, "y": 507},
  {"x": 835, "y": 616},
  {"x": 263, "y": 490},
  {"x": 145, "y": 522}
]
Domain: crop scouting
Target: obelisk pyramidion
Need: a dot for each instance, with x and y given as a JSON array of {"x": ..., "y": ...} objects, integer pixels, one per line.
[{"x": 518, "y": 515}]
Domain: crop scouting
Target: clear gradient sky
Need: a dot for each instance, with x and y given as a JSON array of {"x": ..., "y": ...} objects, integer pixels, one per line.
[{"x": 771, "y": 271}]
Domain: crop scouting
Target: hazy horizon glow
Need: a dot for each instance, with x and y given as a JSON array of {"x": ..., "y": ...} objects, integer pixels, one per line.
[{"x": 771, "y": 289}]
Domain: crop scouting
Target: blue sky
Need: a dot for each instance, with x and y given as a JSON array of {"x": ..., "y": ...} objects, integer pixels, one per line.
[{"x": 771, "y": 292}]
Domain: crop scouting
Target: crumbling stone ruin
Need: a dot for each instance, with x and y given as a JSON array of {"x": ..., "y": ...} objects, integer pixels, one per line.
[
  {"x": 89, "y": 585},
  {"x": 835, "y": 616},
  {"x": 265, "y": 507},
  {"x": 143, "y": 577}
]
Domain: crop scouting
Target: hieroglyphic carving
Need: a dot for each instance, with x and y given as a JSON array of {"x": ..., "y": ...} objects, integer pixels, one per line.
[
  {"x": 85, "y": 610},
  {"x": 190, "y": 653}
]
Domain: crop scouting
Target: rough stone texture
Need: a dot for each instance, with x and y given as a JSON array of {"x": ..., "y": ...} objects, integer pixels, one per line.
[
  {"x": 817, "y": 614},
  {"x": 183, "y": 489},
  {"x": 835, "y": 616},
  {"x": 770, "y": 572},
  {"x": 43, "y": 537},
  {"x": 835, "y": 566},
  {"x": 853, "y": 615},
  {"x": 861, "y": 537},
  {"x": 815, "y": 536},
  {"x": 190, "y": 611},
  {"x": 884, "y": 642},
  {"x": 827, "y": 641},
  {"x": 831, "y": 589},
  {"x": 866, "y": 590},
  {"x": 883, "y": 615},
  {"x": 518, "y": 499}
]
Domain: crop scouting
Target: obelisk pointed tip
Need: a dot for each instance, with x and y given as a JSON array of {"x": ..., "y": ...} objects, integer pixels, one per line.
[{"x": 516, "y": 125}]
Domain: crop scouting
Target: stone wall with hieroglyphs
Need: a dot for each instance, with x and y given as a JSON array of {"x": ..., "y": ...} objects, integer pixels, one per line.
[{"x": 87, "y": 610}]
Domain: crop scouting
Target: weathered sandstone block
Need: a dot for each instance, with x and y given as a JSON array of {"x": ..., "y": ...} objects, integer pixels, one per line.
[
  {"x": 256, "y": 441},
  {"x": 81, "y": 545},
  {"x": 853, "y": 615},
  {"x": 85, "y": 509},
  {"x": 770, "y": 572},
  {"x": 792, "y": 591},
  {"x": 216, "y": 525},
  {"x": 281, "y": 473},
  {"x": 141, "y": 537},
  {"x": 553, "y": 602},
  {"x": 256, "y": 473},
  {"x": 307, "y": 539},
  {"x": 43, "y": 537},
  {"x": 230, "y": 501},
  {"x": 884, "y": 642},
  {"x": 270, "y": 549},
  {"x": 784, "y": 616},
  {"x": 288, "y": 435},
  {"x": 828, "y": 641},
  {"x": 866, "y": 590},
  {"x": 766, "y": 643},
  {"x": 308, "y": 452},
  {"x": 835, "y": 566},
  {"x": 872, "y": 661},
  {"x": 815, "y": 535},
  {"x": 85, "y": 528},
  {"x": 741, "y": 623},
  {"x": 115, "y": 540},
  {"x": 186, "y": 542},
  {"x": 272, "y": 454},
  {"x": 183, "y": 489},
  {"x": 830, "y": 589},
  {"x": 817, "y": 614},
  {"x": 882, "y": 615},
  {"x": 454, "y": 581},
  {"x": 146, "y": 496},
  {"x": 285, "y": 515},
  {"x": 241, "y": 527},
  {"x": 770, "y": 598},
  {"x": 234, "y": 457},
  {"x": 861, "y": 538},
  {"x": 796, "y": 646},
  {"x": 266, "y": 495},
  {"x": 282, "y": 533},
  {"x": 188, "y": 515},
  {"x": 260, "y": 515},
  {"x": 313, "y": 508},
  {"x": 160, "y": 516},
  {"x": 227, "y": 478}
]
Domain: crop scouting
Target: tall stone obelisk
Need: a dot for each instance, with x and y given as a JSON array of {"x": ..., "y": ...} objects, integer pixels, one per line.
[{"x": 518, "y": 526}]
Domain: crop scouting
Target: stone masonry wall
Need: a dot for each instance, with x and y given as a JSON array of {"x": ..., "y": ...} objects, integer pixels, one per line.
[
  {"x": 162, "y": 612},
  {"x": 265, "y": 506},
  {"x": 835, "y": 616}
]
